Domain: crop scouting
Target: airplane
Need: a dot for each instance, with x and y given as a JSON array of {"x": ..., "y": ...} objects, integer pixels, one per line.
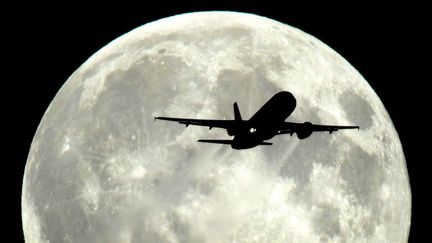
[{"x": 266, "y": 123}]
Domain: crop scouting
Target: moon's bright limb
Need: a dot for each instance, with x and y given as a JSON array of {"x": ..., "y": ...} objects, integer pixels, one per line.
[{"x": 100, "y": 169}]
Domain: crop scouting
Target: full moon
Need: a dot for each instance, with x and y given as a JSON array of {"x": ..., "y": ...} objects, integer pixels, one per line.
[{"x": 101, "y": 170}]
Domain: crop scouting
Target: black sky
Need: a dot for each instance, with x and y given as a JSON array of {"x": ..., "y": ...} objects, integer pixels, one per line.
[{"x": 45, "y": 44}]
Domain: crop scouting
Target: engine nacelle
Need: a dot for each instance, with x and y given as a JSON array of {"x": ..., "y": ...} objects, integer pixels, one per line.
[
  {"x": 305, "y": 130},
  {"x": 231, "y": 131}
]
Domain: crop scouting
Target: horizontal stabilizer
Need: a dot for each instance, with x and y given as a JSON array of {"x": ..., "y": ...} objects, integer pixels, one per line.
[
  {"x": 215, "y": 141},
  {"x": 265, "y": 143},
  {"x": 222, "y": 141}
]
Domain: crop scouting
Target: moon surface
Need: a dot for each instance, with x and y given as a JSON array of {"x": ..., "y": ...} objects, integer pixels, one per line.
[{"x": 101, "y": 170}]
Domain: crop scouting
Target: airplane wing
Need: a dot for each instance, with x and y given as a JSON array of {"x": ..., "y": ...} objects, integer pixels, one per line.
[
  {"x": 223, "y": 141},
  {"x": 199, "y": 122},
  {"x": 304, "y": 130},
  {"x": 219, "y": 141}
]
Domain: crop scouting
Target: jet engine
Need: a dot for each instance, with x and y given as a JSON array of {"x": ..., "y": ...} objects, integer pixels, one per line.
[
  {"x": 305, "y": 130},
  {"x": 231, "y": 131}
]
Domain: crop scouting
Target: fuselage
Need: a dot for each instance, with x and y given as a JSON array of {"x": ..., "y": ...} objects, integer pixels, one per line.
[{"x": 264, "y": 124}]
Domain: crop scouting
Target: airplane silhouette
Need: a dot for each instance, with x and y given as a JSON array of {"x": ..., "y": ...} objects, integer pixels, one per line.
[{"x": 266, "y": 123}]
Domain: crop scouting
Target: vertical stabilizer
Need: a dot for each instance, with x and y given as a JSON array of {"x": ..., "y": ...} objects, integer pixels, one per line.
[{"x": 237, "y": 115}]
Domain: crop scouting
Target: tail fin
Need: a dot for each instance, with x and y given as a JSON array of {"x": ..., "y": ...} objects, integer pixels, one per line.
[{"x": 237, "y": 115}]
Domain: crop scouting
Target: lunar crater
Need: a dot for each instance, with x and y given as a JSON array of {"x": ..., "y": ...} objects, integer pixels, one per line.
[
  {"x": 367, "y": 169},
  {"x": 326, "y": 220},
  {"x": 357, "y": 109}
]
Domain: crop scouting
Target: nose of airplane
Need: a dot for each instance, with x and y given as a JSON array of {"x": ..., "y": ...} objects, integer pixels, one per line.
[{"x": 286, "y": 97}]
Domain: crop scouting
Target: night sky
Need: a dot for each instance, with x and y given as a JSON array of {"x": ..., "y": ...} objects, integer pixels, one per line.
[{"x": 46, "y": 44}]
